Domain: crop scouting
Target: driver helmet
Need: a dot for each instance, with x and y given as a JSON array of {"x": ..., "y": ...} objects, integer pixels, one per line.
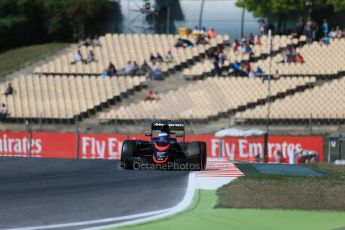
[{"x": 163, "y": 136}]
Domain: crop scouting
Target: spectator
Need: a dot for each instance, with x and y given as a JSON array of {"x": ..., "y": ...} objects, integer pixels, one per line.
[
  {"x": 293, "y": 52},
  {"x": 96, "y": 41},
  {"x": 258, "y": 41},
  {"x": 211, "y": 33},
  {"x": 200, "y": 40},
  {"x": 325, "y": 28},
  {"x": 241, "y": 49},
  {"x": 299, "y": 26},
  {"x": 159, "y": 57},
  {"x": 87, "y": 42},
  {"x": 215, "y": 61},
  {"x": 236, "y": 45},
  {"x": 3, "y": 112},
  {"x": 181, "y": 42},
  {"x": 289, "y": 55},
  {"x": 110, "y": 70},
  {"x": 236, "y": 68},
  {"x": 299, "y": 58},
  {"x": 251, "y": 74},
  {"x": 135, "y": 69},
  {"x": 78, "y": 57},
  {"x": 284, "y": 57},
  {"x": 144, "y": 68},
  {"x": 325, "y": 40},
  {"x": 169, "y": 58},
  {"x": 156, "y": 71},
  {"x": 90, "y": 57},
  {"x": 196, "y": 30},
  {"x": 276, "y": 75},
  {"x": 204, "y": 32},
  {"x": 146, "y": 7},
  {"x": 128, "y": 69},
  {"x": 187, "y": 43},
  {"x": 259, "y": 71},
  {"x": 221, "y": 56},
  {"x": 152, "y": 58},
  {"x": 339, "y": 33},
  {"x": 246, "y": 66},
  {"x": 9, "y": 90},
  {"x": 333, "y": 33},
  {"x": 150, "y": 95},
  {"x": 251, "y": 39},
  {"x": 248, "y": 49},
  {"x": 308, "y": 28},
  {"x": 209, "y": 54},
  {"x": 262, "y": 26}
]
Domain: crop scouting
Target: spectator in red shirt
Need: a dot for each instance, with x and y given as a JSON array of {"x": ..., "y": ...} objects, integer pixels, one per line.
[
  {"x": 299, "y": 58},
  {"x": 211, "y": 33},
  {"x": 150, "y": 95}
]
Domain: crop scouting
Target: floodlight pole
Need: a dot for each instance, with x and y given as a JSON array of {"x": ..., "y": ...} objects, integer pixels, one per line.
[
  {"x": 268, "y": 99},
  {"x": 201, "y": 13}
]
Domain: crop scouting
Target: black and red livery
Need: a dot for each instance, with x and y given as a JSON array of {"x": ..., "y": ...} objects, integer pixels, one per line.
[{"x": 167, "y": 148}]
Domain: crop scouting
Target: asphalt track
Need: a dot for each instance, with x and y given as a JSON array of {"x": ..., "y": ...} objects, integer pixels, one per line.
[{"x": 41, "y": 192}]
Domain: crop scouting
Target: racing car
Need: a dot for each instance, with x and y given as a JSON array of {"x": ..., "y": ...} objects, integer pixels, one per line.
[{"x": 164, "y": 148}]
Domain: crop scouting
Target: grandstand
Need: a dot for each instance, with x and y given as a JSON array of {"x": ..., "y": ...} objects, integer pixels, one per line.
[
  {"x": 60, "y": 92},
  {"x": 320, "y": 60},
  {"x": 324, "y": 103},
  {"x": 64, "y": 97},
  {"x": 205, "y": 99},
  {"x": 260, "y": 52},
  {"x": 121, "y": 48}
]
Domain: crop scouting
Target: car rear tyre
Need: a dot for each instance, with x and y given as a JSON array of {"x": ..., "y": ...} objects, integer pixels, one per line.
[
  {"x": 127, "y": 153},
  {"x": 194, "y": 156},
  {"x": 203, "y": 154}
]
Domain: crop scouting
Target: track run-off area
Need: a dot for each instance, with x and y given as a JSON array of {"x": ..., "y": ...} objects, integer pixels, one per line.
[{"x": 37, "y": 193}]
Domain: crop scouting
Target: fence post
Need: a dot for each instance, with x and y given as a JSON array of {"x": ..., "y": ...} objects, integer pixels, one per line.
[
  {"x": 78, "y": 135},
  {"x": 340, "y": 148},
  {"x": 191, "y": 125},
  {"x": 116, "y": 125},
  {"x": 310, "y": 124},
  {"x": 41, "y": 125},
  {"x": 27, "y": 123},
  {"x": 329, "y": 150}
]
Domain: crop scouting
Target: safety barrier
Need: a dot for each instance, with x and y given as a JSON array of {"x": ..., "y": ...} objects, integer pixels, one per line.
[{"x": 108, "y": 146}]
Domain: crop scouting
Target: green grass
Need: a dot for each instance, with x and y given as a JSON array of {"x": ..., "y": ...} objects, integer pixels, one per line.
[
  {"x": 204, "y": 216},
  {"x": 288, "y": 192},
  {"x": 13, "y": 59}
]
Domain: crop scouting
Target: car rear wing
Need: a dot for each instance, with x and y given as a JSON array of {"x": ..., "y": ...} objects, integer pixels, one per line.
[{"x": 173, "y": 125}]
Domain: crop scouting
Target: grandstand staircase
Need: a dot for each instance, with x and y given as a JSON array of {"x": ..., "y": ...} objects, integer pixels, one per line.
[{"x": 171, "y": 81}]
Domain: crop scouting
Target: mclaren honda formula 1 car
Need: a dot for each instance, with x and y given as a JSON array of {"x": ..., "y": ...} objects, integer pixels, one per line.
[{"x": 165, "y": 149}]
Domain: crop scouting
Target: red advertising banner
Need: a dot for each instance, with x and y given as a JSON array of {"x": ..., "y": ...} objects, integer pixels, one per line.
[
  {"x": 108, "y": 146},
  {"x": 247, "y": 148},
  {"x": 47, "y": 145},
  {"x": 54, "y": 145},
  {"x": 100, "y": 146},
  {"x": 17, "y": 144}
]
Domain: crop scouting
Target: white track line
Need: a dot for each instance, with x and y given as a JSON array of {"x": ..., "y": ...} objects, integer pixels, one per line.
[
  {"x": 193, "y": 184},
  {"x": 138, "y": 218},
  {"x": 100, "y": 221},
  {"x": 184, "y": 204}
]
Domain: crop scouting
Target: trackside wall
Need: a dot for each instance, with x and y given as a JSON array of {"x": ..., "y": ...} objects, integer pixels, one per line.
[{"x": 108, "y": 146}]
